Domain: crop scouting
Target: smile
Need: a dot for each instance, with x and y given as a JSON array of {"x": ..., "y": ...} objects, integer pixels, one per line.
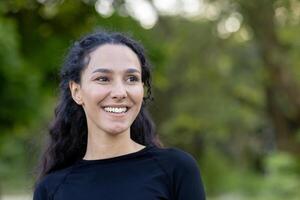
[{"x": 116, "y": 109}]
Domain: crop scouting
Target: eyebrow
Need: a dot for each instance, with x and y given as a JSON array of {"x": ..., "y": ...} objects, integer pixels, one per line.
[{"x": 107, "y": 71}]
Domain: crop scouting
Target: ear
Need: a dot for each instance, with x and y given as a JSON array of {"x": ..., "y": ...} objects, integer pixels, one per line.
[{"x": 76, "y": 92}]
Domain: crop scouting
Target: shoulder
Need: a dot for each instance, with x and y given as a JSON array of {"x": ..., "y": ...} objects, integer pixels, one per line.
[
  {"x": 183, "y": 173},
  {"x": 175, "y": 159},
  {"x": 49, "y": 183}
]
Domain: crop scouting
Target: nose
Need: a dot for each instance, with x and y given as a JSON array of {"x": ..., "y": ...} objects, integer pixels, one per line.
[{"x": 119, "y": 91}]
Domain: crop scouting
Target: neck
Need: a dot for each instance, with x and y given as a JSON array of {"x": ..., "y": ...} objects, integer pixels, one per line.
[{"x": 103, "y": 145}]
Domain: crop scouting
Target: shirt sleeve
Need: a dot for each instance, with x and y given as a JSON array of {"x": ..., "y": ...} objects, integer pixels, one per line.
[
  {"x": 40, "y": 193},
  {"x": 187, "y": 183}
]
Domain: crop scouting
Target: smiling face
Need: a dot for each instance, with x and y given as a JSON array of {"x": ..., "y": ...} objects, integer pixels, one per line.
[{"x": 111, "y": 89}]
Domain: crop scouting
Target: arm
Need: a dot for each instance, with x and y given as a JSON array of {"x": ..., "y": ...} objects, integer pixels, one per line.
[
  {"x": 40, "y": 193},
  {"x": 187, "y": 180}
]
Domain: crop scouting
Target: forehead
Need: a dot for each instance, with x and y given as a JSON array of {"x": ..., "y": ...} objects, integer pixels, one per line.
[{"x": 114, "y": 57}]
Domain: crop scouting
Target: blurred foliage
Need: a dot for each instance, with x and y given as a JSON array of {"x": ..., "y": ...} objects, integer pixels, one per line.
[{"x": 229, "y": 98}]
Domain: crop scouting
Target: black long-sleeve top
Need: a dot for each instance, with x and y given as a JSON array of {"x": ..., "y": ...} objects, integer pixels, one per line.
[{"x": 149, "y": 174}]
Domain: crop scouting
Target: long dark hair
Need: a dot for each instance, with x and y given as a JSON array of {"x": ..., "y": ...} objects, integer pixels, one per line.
[{"x": 67, "y": 139}]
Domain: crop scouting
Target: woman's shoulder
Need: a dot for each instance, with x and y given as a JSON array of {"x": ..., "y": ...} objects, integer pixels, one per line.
[
  {"x": 183, "y": 172},
  {"x": 50, "y": 182},
  {"x": 173, "y": 154},
  {"x": 175, "y": 158}
]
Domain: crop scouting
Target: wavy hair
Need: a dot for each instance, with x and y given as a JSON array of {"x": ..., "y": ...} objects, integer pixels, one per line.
[{"x": 67, "y": 139}]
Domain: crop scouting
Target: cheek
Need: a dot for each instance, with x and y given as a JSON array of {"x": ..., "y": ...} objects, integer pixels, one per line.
[
  {"x": 94, "y": 94},
  {"x": 138, "y": 94}
]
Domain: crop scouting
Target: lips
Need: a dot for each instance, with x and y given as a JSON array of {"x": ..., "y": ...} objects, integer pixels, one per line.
[{"x": 117, "y": 109}]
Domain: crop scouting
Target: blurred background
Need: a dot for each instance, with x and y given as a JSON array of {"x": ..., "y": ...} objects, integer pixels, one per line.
[{"x": 226, "y": 85}]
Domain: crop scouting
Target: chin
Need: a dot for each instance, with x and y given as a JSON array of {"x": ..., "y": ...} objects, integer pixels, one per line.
[{"x": 117, "y": 130}]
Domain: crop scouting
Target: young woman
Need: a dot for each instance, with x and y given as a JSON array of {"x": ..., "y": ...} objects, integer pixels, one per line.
[{"x": 102, "y": 143}]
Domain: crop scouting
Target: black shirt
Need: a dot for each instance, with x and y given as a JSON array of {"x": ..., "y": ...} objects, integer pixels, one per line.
[{"x": 149, "y": 174}]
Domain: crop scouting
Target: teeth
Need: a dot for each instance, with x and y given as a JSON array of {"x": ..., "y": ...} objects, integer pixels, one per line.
[{"x": 115, "y": 110}]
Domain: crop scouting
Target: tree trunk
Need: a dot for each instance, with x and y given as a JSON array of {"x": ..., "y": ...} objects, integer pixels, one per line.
[{"x": 282, "y": 92}]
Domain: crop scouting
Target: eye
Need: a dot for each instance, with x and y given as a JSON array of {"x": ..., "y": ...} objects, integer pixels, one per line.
[
  {"x": 102, "y": 79},
  {"x": 132, "y": 78}
]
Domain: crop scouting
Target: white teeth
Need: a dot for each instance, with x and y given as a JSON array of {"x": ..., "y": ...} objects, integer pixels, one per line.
[{"x": 115, "y": 110}]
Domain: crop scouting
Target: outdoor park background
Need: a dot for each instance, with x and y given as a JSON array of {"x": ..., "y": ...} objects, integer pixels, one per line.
[{"x": 226, "y": 84}]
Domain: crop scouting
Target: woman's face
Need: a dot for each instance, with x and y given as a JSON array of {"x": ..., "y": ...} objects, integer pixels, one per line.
[{"x": 111, "y": 89}]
